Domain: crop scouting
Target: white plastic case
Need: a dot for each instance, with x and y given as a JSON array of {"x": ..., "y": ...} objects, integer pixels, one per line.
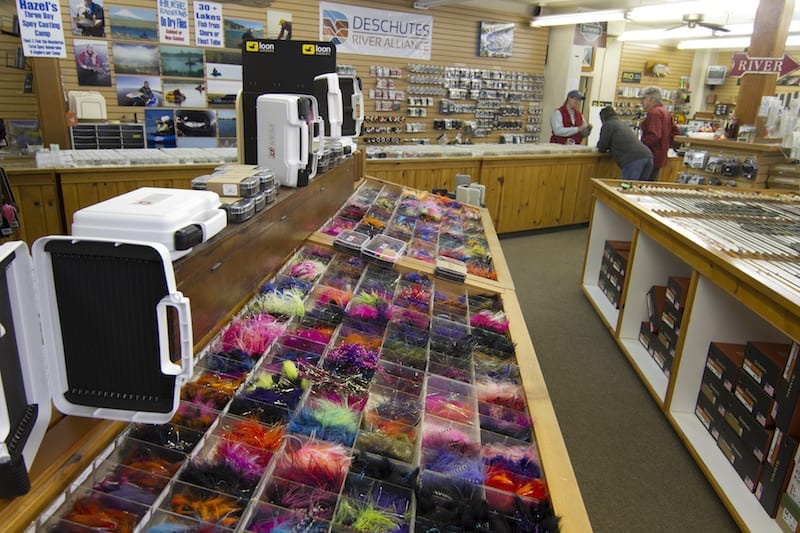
[
  {"x": 176, "y": 218},
  {"x": 289, "y": 137},
  {"x": 87, "y": 322},
  {"x": 353, "y": 105},
  {"x": 329, "y": 100}
]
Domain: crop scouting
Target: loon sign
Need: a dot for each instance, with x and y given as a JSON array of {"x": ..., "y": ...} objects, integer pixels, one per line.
[{"x": 744, "y": 64}]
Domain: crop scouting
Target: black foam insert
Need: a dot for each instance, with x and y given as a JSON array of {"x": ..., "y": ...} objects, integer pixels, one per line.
[{"x": 106, "y": 299}]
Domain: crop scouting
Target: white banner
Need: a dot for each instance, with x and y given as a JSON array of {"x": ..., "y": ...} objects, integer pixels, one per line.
[
  {"x": 208, "y": 24},
  {"x": 377, "y": 32},
  {"x": 40, "y": 28},
  {"x": 173, "y": 21}
]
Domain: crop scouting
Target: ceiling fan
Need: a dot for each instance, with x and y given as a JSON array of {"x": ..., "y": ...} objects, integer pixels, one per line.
[{"x": 693, "y": 20}]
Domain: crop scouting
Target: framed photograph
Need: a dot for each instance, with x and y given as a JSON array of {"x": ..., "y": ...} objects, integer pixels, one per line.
[
  {"x": 587, "y": 59},
  {"x": 495, "y": 39}
]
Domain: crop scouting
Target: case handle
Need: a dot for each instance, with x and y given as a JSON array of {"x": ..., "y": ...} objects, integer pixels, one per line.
[
  {"x": 305, "y": 138},
  {"x": 319, "y": 124},
  {"x": 181, "y": 305},
  {"x": 358, "y": 107}
]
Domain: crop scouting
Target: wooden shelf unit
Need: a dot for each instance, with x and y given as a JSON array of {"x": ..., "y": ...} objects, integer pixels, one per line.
[
  {"x": 725, "y": 303},
  {"x": 767, "y": 155}
]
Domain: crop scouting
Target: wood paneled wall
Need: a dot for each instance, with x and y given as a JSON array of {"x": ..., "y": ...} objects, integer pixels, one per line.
[
  {"x": 455, "y": 43},
  {"x": 14, "y": 104},
  {"x": 635, "y": 57}
]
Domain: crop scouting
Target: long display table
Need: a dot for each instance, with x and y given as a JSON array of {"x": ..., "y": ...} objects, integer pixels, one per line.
[{"x": 233, "y": 266}]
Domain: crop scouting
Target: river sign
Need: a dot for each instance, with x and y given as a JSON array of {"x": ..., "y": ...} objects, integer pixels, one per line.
[{"x": 744, "y": 64}]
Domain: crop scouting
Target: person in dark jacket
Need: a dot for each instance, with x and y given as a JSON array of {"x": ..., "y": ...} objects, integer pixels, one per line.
[{"x": 618, "y": 139}]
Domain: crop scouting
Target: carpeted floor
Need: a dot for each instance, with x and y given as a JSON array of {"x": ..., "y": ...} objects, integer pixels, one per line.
[{"x": 634, "y": 473}]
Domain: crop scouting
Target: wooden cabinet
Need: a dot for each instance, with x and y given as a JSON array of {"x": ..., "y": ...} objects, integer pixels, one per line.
[
  {"x": 82, "y": 187},
  {"x": 424, "y": 174},
  {"x": 38, "y": 203},
  {"x": 523, "y": 192},
  {"x": 728, "y": 301}
]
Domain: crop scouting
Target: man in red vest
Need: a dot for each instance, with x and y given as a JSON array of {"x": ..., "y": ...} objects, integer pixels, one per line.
[{"x": 567, "y": 122}]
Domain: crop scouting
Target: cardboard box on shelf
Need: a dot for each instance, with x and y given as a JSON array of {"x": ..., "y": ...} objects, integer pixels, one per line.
[
  {"x": 788, "y": 515},
  {"x": 725, "y": 360},
  {"x": 776, "y": 473},
  {"x": 764, "y": 362},
  {"x": 677, "y": 290}
]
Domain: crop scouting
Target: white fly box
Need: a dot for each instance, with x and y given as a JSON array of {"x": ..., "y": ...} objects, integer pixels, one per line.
[
  {"x": 329, "y": 100},
  {"x": 289, "y": 137},
  {"x": 177, "y": 218},
  {"x": 352, "y": 105},
  {"x": 85, "y": 323}
]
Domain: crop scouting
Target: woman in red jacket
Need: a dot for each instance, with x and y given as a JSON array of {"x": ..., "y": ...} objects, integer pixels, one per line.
[{"x": 658, "y": 128}]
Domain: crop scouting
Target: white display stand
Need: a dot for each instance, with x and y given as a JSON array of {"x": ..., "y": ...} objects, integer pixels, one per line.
[{"x": 725, "y": 303}]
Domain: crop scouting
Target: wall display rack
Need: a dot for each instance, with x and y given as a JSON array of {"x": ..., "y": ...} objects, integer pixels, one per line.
[{"x": 743, "y": 287}]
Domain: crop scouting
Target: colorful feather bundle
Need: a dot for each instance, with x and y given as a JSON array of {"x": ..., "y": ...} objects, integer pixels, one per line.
[
  {"x": 514, "y": 469},
  {"x": 252, "y": 433},
  {"x": 207, "y": 506},
  {"x": 395, "y": 446},
  {"x": 283, "y": 389},
  {"x": 285, "y": 283},
  {"x": 406, "y": 354},
  {"x": 314, "y": 462},
  {"x": 493, "y": 321},
  {"x": 195, "y": 415},
  {"x": 234, "y": 362},
  {"x": 352, "y": 360},
  {"x": 439, "y": 435},
  {"x": 407, "y": 333},
  {"x": 282, "y": 304},
  {"x": 383, "y": 469},
  {"x": 492, "y": 343},
  {"x": 337, "y": 225},
  {"x": 218, "y": 477},
  {"x": 170, "y": 436},
  {"x": 253, "y": 334},
  {"x": 505, "y": 393},
  {"x": 326, "y": 420},
  {"x": 99, "y": 515},
  {"x": 307, "y": 269},
  {"x": 132, "y": 485},
  {"x": 450, "y": 407},
  {"x": 366, "y": 517},
  {"x": 211, "y": 388},
  {"x": 370, "y": 306},
  {"x": 291, "y": 495}
]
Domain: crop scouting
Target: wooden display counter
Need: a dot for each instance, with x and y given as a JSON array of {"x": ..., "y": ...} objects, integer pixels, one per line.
[
  {"x": 729, "y": 300},
  {"x": 222, "y": 274},
  {"x": 523, "y": 192}
]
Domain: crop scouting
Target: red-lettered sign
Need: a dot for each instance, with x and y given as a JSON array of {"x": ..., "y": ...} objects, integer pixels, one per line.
[{"x": 744, "y": 64}]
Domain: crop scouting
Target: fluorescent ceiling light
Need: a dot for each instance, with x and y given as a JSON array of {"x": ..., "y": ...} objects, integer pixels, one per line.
[
  {"x": 583, "y": 17},
  {"x": 684, "y": 33},
  {"x": 736, "y": 43},
  {"x": 733, "y": 10}
]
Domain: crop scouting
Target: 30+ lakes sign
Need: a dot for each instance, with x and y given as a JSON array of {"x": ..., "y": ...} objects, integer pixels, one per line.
[{"x": 744, "y": 64}]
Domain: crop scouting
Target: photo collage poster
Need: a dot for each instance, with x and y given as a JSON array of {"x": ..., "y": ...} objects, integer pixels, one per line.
[{"x": 188, "y": 92}]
